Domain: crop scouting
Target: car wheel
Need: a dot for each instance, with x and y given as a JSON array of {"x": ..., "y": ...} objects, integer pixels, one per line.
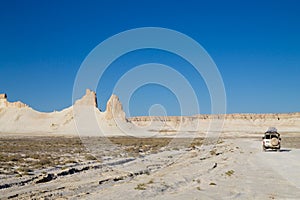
[{"x": 274, "y": 141}]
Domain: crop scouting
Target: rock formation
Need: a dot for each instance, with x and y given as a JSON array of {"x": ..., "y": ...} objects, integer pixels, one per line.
[
  {"x": 84, "y": 115},
  {"x": 89, "y": 99},
  {"x": 114, "y": 109},
  {"x": 3, "y": 96},
  {"x": 6, "y": 104}
]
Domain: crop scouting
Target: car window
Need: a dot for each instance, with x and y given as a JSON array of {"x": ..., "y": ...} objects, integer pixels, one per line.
[{"x": 267, "y": 136}]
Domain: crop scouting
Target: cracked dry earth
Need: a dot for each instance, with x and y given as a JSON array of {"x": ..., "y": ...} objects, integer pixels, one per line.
[{"x": 232, "y": 169}]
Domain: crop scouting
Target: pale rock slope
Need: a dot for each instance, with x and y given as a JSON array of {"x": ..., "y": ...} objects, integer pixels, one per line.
[
  {"x": 84, "y": 118},
  {"x": 5, "y": 104}
]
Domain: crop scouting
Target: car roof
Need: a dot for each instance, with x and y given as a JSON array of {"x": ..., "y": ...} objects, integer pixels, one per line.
[{"x": 269, "y": 132}]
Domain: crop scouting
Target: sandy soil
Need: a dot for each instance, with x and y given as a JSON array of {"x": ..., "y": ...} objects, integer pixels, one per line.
[{"x": 233, "y": 169}]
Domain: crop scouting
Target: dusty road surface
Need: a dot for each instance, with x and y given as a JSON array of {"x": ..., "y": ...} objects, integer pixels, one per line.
[{"x": 233, "y": 169}]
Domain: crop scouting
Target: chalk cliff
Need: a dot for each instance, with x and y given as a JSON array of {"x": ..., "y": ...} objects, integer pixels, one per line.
[
  {"x": 84, "y": 116},
  {"x": 114, "y": 109},
  {"x": 5, "y": 104},
  {"x": 89, "y": 99}
]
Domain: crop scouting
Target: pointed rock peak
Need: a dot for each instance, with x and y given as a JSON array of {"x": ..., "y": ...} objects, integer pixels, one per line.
[
  {"x": 114, "y": 103},
  {"x": 6, "y": 104},
  {"x": 113, "y": 97},
  {"x": 3, "y": 96},
  {"x": 114, "y": 108},
  {"x": 89, "y": 99},
  {"x": 88, "y": 92}
]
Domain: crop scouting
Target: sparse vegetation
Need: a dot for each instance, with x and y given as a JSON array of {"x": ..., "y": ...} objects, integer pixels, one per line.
[
  {"x": 135, "y": 146},
  {"x": 36, "y": 153},
  {"x": 140, "y": 186},
  {"x": 220, "y": 141},
  {"x": 213, "y": 152},
  {"x": 229, "y": 173},
  {"x": 167, "y": 131},
  {"x": 22, "y": 156},
  {"x": 143, "y": 186},
  {"x": 151, "y": 181},
  {"x": 90, "y": 157}
]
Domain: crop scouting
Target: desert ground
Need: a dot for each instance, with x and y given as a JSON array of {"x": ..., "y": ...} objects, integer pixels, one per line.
[{"x": 37, "y": 167}]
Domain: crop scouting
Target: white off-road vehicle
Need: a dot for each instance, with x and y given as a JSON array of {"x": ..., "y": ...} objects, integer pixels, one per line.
[{"x": 271, "y": 140}]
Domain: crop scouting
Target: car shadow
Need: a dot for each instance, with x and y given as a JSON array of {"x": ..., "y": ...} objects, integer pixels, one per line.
[
  {"x": 281, "y": 150},
  {"x": 285, "y": 150}
]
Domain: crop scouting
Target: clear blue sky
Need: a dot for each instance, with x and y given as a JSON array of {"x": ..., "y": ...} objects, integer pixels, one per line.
[{"x": 255, "y": 44}]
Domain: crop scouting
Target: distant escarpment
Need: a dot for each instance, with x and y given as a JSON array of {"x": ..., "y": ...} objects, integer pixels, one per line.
[{"x": 237, "y": 116}]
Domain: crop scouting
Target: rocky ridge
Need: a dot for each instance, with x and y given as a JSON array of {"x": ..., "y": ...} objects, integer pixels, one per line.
[
  {"x": 18, "y": 117},
  {"x": 6, "y": 104}
]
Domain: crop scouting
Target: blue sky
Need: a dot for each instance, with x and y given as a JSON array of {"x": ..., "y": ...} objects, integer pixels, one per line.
[{"x": 255, "y": 44}]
